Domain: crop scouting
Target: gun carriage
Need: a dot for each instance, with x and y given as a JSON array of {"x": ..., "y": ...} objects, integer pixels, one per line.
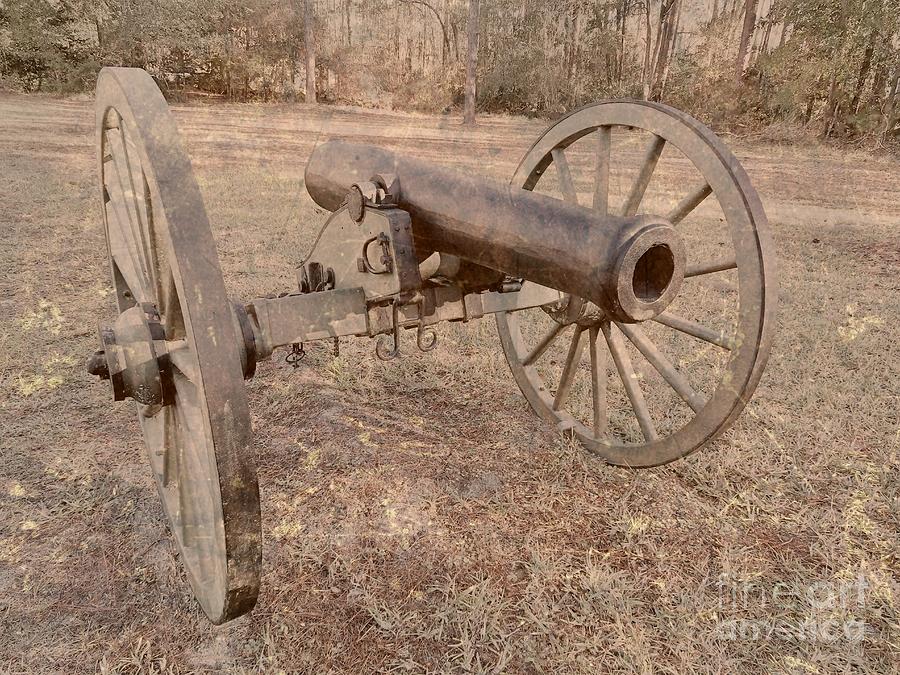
[{"x": 408, "y": 245}]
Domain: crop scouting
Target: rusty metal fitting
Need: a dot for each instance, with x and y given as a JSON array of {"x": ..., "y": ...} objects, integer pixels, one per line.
[
  {"x": 389, "y": 185},
  {"x": 361, "y": 195}
]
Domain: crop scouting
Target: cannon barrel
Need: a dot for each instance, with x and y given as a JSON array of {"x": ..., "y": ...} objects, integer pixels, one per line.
[{"x": 632, "y": 267}]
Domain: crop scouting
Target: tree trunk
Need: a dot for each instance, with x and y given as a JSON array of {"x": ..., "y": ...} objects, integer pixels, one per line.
[
  {"x": 310, "y": 39},
  {"x": 445, "y": 45},
  {"x": 785, "y": 29},
  {"x": 648, "y": 46},
  {"x": 832, "y": 105},
  {"x": 673, "y": 44},
  {"x": 100, "y": 41},
  {"x": 397, "y": 31},
  {"x": 424, "y": 34},
  {"x": 746, "y": 34},
  {"x": 471, "y": 63},
  {"x": 347, "y": 17},
  {"x": 878, "y": 84},
  {"x": 575, "y": 53},
  {"x": 570, "y": 45},
  {"x": 454, "y": 32},
  {"x": 665, "y": 39},
  {"x": 620, "y": 67},
  {"x": 659, "y": 38},
  {"x": 891, "y": 110},
  {"x": 813, "y": 97},
  {"x": 864, "y": 71},
  {"x": 764, "y": 47}
]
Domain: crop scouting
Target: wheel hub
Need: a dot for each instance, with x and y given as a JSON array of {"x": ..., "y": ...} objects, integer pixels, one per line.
[{"x": 134, "y": 357}]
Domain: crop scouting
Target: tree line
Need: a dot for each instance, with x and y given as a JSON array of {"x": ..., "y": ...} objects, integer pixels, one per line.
[{"x": 829, "y": 65}]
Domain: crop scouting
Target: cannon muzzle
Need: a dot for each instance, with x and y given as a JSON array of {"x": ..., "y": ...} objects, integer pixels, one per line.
[{"x": 632, "y": 267}]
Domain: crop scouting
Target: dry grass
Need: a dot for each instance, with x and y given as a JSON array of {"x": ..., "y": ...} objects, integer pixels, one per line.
[{"x": 417, "y": 516}]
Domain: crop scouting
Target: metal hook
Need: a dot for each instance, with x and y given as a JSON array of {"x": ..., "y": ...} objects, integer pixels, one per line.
[
  {"x": 381, "y": 351},
  {"x": 426, "y": 338},
  {"x": 422, "y": 333}
]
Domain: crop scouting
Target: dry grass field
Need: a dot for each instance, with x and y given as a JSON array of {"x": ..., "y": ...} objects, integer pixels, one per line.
[{"x": 417, "y": 516}]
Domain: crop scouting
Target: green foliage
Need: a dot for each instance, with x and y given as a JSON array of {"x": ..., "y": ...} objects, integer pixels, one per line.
[
  {"x": 828, "y": 64},
  {"x": 839, "y": 57},
  {"x": 42, "y": 44},
  {"x": 543, "y": 59}
]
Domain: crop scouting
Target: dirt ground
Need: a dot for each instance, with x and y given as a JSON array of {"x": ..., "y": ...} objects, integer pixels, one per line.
[{"x": 417, "y": 516}]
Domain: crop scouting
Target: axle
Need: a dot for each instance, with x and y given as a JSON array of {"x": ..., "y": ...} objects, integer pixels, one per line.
[{"x": 631, "y": 267}]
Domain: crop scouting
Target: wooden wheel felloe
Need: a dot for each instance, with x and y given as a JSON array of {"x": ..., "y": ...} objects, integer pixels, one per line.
[
  {"x": 705, "y": 353},
  {"x": 175, "y": 347}
]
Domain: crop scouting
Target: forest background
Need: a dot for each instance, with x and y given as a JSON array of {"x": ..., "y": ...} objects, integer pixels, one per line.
[{"x": 829, "y": 68}]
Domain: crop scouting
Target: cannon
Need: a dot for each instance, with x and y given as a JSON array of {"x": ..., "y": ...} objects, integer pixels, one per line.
[{"x": 605, "y": 307}]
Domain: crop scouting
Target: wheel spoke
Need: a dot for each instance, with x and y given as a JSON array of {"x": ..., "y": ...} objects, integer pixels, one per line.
[
  {"x": 170, "y": 446},
  {"x": 689, "y": 203},
  {"x": 168, "y": 296},
  {"x": 121, "y": 250},
  {"x": 542, "y": 346},
  {"x": 630, "y": 382},
  {"x": 154, "y": 428},
  {"x": 696, "y": 330},
  {"x": 566, "y": 186},
  {"x": 126, "y": 267},
  {"x": 663, "y": 366},
  {"x": 126, "y": 190},
  {"x": 651, "y": 157},
  {"x": 161, "y": 275},
  {"x": 181, "y": 357},
  {"x": 710, "y": 267},
  {"x": 143, "y": 206},
  {"x": 184, "y": 438},
  {"x": 573, "y": 360},
  {"x": 601, "y": 177},
  {"x": 170, "y": 308},
  {"x": 598, "y": 383},
  {"x": 132, "y": 184}
]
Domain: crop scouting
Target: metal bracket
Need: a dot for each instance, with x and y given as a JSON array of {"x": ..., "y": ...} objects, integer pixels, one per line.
[{"x": 406, "y": 266}]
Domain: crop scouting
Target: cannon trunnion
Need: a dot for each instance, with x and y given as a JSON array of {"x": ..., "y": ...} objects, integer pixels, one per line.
[{"x": 639, "y": 325}]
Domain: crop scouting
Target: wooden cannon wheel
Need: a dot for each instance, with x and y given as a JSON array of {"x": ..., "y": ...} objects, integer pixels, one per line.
[
  {"x": 163, "y": 261},
  {"x": 730, "y": 268}
]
